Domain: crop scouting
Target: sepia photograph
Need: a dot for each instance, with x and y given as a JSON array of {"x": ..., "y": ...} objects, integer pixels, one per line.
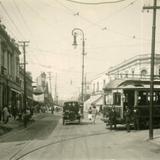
[{"x": 79, "y": 79}]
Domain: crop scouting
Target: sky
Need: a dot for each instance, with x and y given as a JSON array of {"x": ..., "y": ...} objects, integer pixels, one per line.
[{"x": 114, "y": 32}]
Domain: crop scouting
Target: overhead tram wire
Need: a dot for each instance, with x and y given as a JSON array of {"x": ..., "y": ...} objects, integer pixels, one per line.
[
  {"x": 37, "y": 13},
  {"x": 96, "y": 3},
  {"x": 21, "y": 15},
  {"x": 12, "y": 21},
  {"x": 100, "y": 26},
  {"x": 24, "y": 21},
  {"x": 117, "y": 11}
]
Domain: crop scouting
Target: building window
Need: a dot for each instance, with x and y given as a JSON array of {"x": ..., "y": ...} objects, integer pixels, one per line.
[
  {"x": 159, "y": 72},
  {"x": 132, "y": 73},
  {"x": 97, "y": 86},
  {"x": 93, "y": 87},
  {"x": 104, "y": 83},
  {"x": 143, "y": 73},
  {"x": 117, "y": 98},
  {"x": 126, "y": 74}
]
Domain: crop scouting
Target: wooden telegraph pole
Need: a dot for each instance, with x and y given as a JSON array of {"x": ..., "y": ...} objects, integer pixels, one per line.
[
  {"x": 24, "y": 44},
  {"x": 154, "y": 8}
]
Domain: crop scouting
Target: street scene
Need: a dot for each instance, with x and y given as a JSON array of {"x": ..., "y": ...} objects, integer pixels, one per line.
[{"x": 79, "y": 80}]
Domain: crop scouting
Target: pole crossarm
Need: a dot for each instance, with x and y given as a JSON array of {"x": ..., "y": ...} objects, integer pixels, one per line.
[{"x": 151, "y": 7}]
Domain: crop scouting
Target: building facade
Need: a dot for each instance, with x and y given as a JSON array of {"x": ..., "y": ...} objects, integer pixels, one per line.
[
  {"x": 136, "y": 68},
  {"x": 41, "y": 91},
  {"x": 10, "y": 88},
  {"x": 11, "y": 74}
]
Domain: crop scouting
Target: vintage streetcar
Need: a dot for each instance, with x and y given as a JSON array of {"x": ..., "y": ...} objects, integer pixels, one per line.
[
  {"x": 136, "y": 95},
  {"x": 71, "y": 112}
]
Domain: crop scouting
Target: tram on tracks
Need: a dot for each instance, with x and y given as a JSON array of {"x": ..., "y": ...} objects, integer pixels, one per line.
[{"x": 136, "y": 95}]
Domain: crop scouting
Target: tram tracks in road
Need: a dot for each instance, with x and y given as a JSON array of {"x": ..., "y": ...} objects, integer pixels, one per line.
[{"x": 16, "y": 157}]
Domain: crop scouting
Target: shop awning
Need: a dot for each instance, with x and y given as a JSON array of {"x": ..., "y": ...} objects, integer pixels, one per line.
[
  {"x": 15, "y": 90},
  {"x": 99, "y": 101},
  {"x": 92, "y": 99}
]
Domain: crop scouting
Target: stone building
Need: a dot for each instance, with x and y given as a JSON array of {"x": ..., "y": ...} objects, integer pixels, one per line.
[
  {"x": 135, "y": 68},
  {"x": 10, "y": 88},
  {"x": 11, "y": 74}
]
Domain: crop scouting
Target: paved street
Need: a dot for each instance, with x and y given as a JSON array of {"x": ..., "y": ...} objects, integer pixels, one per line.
[{"x": 86, "y": 141}]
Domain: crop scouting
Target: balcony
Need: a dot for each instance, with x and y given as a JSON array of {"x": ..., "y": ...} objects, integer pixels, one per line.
[
  {"x": 18, "y": 80},
  {"x": 3, "y": 70}
]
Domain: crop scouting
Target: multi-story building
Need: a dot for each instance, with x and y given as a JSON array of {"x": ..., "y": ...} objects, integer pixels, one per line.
[
  {"x": 137, "y": 68},
  {"x": 11, "y": 74},
  {"x": 41, "y": 92},
  {"x": 96, "y": 90},
  {"x": 29, "y": 88},
  {"x": 10, "y": 88}
]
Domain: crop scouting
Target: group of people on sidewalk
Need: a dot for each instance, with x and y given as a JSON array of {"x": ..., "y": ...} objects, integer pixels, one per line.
[{"x": 15, "y": 112}]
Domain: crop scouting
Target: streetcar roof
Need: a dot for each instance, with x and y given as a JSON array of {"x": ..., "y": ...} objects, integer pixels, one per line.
[{"x": 130, "y": 84}]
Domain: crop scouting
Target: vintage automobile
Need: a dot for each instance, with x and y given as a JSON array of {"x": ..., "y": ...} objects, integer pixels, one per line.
[{"x": 71, "y": 112}]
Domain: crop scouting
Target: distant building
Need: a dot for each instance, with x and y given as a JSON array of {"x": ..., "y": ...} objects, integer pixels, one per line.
[
  {"x": 41, "y": 91},
  {"x": 29, "y": 87}
]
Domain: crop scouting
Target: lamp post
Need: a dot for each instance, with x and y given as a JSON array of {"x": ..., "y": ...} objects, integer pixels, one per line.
[{"x": 75, "y": 32}]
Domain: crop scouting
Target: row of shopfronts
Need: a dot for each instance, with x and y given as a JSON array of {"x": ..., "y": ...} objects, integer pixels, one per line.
[{"x": 10, "y": 93}]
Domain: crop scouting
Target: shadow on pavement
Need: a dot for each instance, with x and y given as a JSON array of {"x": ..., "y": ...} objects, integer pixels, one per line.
[
  {"x": 81, "y": 123},
  {"x": 40, "y": 130}
]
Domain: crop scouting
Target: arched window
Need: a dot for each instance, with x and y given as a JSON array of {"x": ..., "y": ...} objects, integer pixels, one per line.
[
  {"x": 143, "y": 73},
  {"x": 132, "y": 73}
]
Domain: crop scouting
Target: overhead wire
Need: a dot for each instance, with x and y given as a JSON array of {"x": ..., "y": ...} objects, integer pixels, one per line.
[
  {"x": 101, "y": 27},
  {"x": 96, "y": 3},
  {"x": 10, "y": 18},
  {"x": 24, "y": 21},
  {"x": 22, "y": 17},
  {"x": 117, "y": 11},
  {"x": 37, "y": 13}
]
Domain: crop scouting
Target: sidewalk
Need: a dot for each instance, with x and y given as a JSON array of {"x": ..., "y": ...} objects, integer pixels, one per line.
[{"x": 13, "y": 125}]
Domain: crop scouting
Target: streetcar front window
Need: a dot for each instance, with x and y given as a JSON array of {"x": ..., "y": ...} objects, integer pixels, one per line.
[
  {"x": 117, "y": 98},
  {"x": 143, "y": 98}
]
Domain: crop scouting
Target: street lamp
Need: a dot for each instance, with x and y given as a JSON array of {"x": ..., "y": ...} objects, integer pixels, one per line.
[{"x": 75, "y": 32}]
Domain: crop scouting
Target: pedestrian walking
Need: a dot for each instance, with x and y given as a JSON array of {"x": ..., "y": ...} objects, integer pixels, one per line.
[
  {"x": 94, "y": 114},
  {"x": 5, "y": 115},
  {"x": 112, "y": 118},
  {"x": 90, "y": 113},
  {"x": 52, "y": 109},
  {"x": 128, "y": 118}
]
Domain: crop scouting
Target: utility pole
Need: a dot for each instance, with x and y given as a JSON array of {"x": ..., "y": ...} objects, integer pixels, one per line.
[
  {"x": 55, "y": 96},
  {"x": 50, "y": 84},
  {"x": 154, "y": 8},
  {"x": 85, "y": 84},
  {"x": 24, "y": 44},
  {"x": 50, "y": 80}
]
